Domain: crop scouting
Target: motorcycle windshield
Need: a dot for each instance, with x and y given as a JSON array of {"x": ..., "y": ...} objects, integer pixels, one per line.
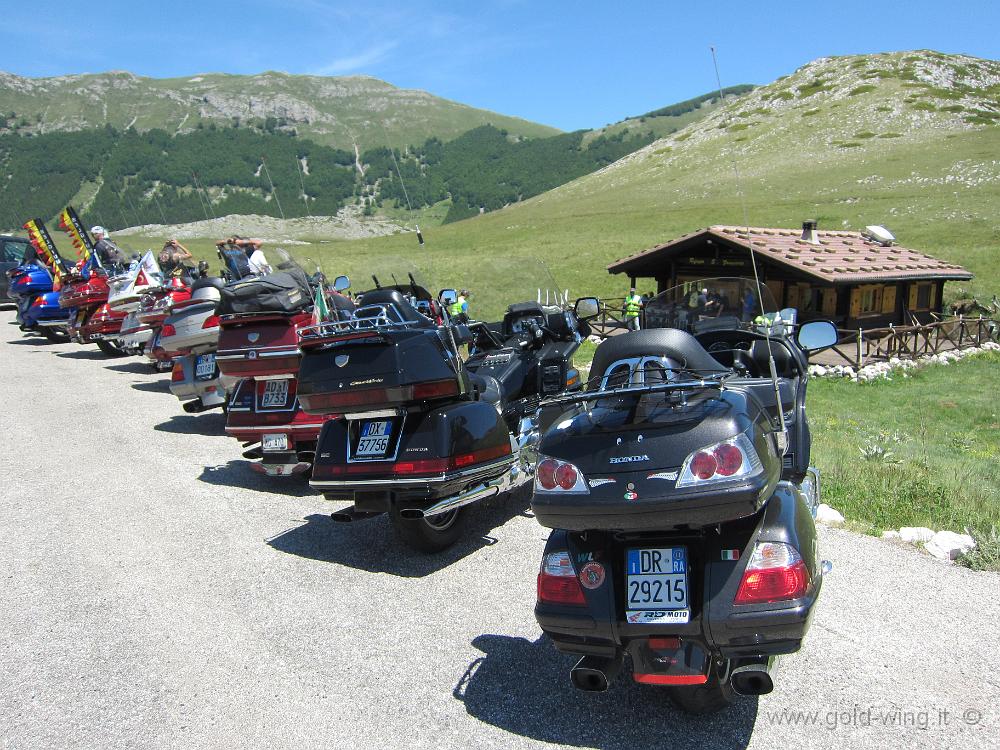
[{"x": 722, "y": 303}]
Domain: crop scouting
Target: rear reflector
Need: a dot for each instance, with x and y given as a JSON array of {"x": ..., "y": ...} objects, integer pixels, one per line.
[
  {"x": 177, "y": 373},
  {"x": 424, "y": 467},
  {"x": 670, "y": 679}
]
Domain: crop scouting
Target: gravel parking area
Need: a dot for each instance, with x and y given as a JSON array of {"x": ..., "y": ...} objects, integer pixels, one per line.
[{"x": 158, "y": 593}]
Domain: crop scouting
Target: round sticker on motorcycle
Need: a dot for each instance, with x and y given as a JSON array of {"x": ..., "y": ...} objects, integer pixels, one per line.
[{"x": 592, "y": 575}]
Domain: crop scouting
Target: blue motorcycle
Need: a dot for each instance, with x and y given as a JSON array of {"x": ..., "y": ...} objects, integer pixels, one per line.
[{"x": 37, "y": 304}]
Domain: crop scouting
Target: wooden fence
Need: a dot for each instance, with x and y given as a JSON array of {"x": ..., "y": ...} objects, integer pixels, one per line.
[{"x": 860, "y": 347}]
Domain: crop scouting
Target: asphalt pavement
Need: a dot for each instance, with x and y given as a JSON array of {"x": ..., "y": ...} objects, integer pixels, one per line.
[{"x": 155, "y": 592}]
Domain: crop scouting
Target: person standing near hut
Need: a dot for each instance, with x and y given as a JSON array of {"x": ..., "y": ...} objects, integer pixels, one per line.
[{"x": 633, "y": 306}]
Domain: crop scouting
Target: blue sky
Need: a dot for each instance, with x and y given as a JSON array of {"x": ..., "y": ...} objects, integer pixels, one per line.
[{"x": 567, "y": 64}]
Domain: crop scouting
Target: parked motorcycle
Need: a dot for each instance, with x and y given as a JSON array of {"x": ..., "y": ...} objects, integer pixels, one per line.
[
  {"x": 192, "y": 331},
  {"x": 37, "y": 304},
  {"x": 682, "y": 504},
  {"x": 426, "y": 434},
  {"x": 260, "y": 321}
]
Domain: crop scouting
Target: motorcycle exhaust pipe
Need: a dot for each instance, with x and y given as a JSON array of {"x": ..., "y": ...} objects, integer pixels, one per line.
[
  {"x": 349, "y": 515},
  {"x": 754, "y": 679},
  {"x": 197, "y": 406},
  {"x": 594, "y": 673},
  {"x": 511, "y": 479}
]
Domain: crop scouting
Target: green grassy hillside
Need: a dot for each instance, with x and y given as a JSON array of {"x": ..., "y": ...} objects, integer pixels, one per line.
[
  {"x": 332, "y": 111},
  {"x": 908, "y": 140}
]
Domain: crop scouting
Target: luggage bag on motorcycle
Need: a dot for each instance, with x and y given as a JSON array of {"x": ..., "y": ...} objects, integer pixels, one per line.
[{"x": 281, "y": 291}]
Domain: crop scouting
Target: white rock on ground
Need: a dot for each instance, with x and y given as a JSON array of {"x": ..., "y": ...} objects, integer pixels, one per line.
[
  {"x": 947, "y": 545},
  {"x": 916, "y": 534},
  {"x": 830, "y": 516},
  {"x": 890, "y": 534}
]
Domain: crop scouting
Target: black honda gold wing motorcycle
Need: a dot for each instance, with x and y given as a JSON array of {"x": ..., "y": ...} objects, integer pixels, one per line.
[
  {"x": 425, "y": 434},
  {"x": 682, "y": 505}
]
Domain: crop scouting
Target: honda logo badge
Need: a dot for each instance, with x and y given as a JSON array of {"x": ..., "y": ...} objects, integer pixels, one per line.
[{"x": 251, "y": 355}]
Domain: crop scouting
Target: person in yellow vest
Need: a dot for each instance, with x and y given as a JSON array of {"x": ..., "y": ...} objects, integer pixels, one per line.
[
  {"x": 633, "y": 306},
  {"x": 459, "y": 310}
]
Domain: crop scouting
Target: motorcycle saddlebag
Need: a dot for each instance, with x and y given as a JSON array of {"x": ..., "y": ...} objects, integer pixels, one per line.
[{"x": 277, "y": 292}]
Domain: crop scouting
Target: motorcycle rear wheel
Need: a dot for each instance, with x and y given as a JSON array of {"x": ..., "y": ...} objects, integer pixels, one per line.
[
  {"x": 713, "y": 696},
  {"x": 433, "y": 534},
  {"x": 110, "y": 349},
  {"x": 55, "y": 335}
]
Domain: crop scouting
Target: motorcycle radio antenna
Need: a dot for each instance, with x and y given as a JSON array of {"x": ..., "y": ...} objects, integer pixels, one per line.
[
  {"x": 783, "y": 435},
  {"x": 392, "y": 153}
]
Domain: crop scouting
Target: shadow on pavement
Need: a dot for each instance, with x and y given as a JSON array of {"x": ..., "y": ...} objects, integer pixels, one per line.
[
  {"x": 31, "y": 341},
  {"x": 239, "y": 474},
  {"x": 524, "y": 687},
  {"x": 373, "y": 546},
  {"x": 96, "y": 354},
  {"x": 154, "y": 386},
  {"x": 134, "y": 368},
  {"x": 207, "y": 423}
]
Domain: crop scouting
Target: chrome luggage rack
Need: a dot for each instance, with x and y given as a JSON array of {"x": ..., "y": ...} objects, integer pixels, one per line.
[{"x": 366, "y": 318}]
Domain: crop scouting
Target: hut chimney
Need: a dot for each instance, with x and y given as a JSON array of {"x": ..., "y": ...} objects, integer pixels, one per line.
[{"x": 809, "y": 232}]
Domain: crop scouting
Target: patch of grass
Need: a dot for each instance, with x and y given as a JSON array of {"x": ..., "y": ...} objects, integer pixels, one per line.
[
  {"x": 953, "y": 108},
  {"x": 863, "y": 89},
  {"x": 783, "y": 95},
  {"x": 811, "y": 112},
  {"x": 813, "y": 87},
  {"x": 846, "y": 144},
  {"x": 661, "y": 151},
  {"x": 986, "y": 555},
  {"x": 738, "y": 127},
  {"x": 920, "y": 451},
  {"x": 864, "y": 134},
  {"x": 682, "y": 137},
  {"x": 883, "y": 108},
  {"x": 924, "y": 107}
]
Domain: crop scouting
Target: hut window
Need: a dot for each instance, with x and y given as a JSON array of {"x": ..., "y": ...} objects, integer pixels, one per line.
[
  {"x": 870, "y": 299},
  {"x": 924, "y": 296}
]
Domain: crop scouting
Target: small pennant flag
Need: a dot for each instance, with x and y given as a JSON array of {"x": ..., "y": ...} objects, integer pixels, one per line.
[{"x": 320, "y": 310}]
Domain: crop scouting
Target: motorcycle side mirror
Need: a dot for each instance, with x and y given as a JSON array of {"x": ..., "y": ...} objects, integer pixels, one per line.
[
  {"x": 587, "y": 307},
  {"x": 341, "y": 283},
  {"x": 816, "y": 334},
  {"x": 448, "y": 297},
  {"x": 462, "y": 335}
]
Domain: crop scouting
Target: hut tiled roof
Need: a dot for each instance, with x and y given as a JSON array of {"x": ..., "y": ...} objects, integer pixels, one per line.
[{"x": 836, "y": 257}]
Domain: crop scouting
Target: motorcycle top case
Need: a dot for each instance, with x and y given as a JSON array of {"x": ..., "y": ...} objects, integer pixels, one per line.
[
  {"x": 632, "y": 468},
  {"x": 29, "y": 279},
  {"x": 282, "y": 292},
  {"x": 85, "y": 292},
  {"x": 377, "y": 369}
]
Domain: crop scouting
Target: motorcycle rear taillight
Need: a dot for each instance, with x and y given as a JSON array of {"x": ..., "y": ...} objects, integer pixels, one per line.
[
  {"x": 553, "y": 475},
  {"x": 776, "y": 572},
  {"x": 557, "y": 581},
  {"x": 39, "y": 301},
  {"x": 372, "y": 396},
  {"x": 731, "y": 459},
  {"x": 168, "y": 330},
  {"x": 177, "y": 373},
  {"x": 212, "y": 321}
]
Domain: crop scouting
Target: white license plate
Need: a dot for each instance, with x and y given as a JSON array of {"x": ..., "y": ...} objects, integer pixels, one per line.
[
  {"x": 275, "y": 393},
  {"x": 656, "y": 582},
  {"x": 204, "y": 366},
  {"x": 274, "y": 443},
  {"x": 374, "y": 440}
]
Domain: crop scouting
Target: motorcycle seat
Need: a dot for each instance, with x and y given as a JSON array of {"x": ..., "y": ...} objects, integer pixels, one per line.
[
  {"x": 393, "y": 297},
  {"x": 784, "y": 365},
  {"x": 215, "y": 282}
]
